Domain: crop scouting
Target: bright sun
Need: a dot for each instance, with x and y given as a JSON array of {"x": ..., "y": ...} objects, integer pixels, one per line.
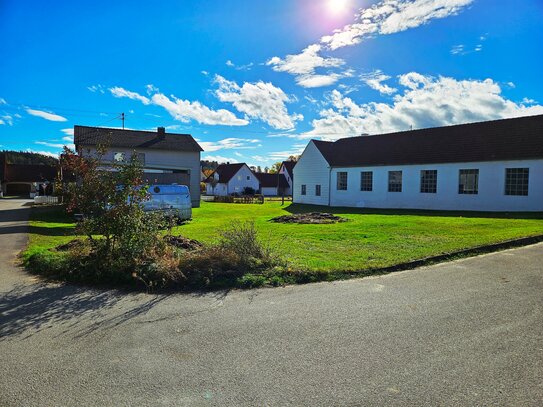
[{"x": 338, "y": 6}]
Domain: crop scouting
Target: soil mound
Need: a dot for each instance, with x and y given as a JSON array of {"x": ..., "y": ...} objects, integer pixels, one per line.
[
  {"x": 309, "y": 218},
  {"x": 183, "y": 242}
]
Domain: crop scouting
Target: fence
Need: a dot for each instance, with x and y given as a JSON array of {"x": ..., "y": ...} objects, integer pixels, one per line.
[
  {"x": 46, "y": 200},
  {"x": 246, "y": 199}
]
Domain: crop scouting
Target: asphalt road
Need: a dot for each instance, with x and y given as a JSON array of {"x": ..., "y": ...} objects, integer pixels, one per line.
[{"x": 464, "y": 333}]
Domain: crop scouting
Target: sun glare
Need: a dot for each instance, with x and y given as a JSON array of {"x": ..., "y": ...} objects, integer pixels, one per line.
[{"x": 338, "y": 6}]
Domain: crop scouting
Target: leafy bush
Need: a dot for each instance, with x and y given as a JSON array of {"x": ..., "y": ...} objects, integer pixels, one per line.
[{"x": 249, "y": 191}]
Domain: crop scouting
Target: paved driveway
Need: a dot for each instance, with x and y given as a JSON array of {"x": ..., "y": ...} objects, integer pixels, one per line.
[{"x": 464, "y": 333}]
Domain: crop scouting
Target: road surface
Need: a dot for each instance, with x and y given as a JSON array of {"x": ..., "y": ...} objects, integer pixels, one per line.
[{"x": 468, "y": 332}]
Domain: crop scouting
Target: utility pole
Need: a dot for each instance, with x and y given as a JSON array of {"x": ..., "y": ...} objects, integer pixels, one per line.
[{"x": 122, "y": 118}]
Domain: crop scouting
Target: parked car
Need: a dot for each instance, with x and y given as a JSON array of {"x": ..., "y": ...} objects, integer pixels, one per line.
[{"x": 174, "y": 199}]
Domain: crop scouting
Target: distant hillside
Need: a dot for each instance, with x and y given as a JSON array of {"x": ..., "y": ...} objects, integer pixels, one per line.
[{"x": 24, "y": 157}]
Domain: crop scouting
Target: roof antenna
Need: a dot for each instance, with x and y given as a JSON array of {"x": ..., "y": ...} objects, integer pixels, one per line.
[
  {"x": 410, "y": 127},
  {"x": 122, "y": 119}
]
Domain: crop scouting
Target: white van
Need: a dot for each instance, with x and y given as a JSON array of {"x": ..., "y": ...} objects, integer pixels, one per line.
[{"x": 173, "y": 199}]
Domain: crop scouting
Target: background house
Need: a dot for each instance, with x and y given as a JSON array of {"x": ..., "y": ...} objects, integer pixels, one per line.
[
  {"x": 22, "y": 176},
  {"x": 167, "y": 158},
  {"x": 286, "y": 169},
  {"x": 272, "y": 184},
  {"x": 228, "y": 179},
  {"x": 487, "y": 166}
]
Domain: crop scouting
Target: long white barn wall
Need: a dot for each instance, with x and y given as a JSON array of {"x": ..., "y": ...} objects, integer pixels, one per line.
[{"x": 491, "y": 195}]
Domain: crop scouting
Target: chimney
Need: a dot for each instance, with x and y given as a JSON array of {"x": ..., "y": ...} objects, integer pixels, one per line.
[{"x": 161, "y": 132}]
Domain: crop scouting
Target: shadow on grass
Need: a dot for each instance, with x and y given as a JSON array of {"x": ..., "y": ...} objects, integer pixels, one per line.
[
  {"x": 27, "y": 310},
  {"x": 301, "y": 208}
]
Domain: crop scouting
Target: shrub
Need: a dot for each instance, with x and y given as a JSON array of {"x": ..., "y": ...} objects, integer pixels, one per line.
[{"x": 249, "y": 191}]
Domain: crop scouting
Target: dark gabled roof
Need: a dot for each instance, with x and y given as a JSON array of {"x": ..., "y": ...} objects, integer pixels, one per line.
[
  {"x": 289, "y": 166},
  {"x": 268, "y": 180},
  {"x": 92, "y": 136},
  {"x": 29, "y": 173},
  {"x": 508, "y": 139},
  {"x": 225, "y": 172}
]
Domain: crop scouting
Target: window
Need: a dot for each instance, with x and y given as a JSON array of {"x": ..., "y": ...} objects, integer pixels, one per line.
[
  {"x": 248, "y": 177},
  {"x": 342, "y": 181},
  {"x": 303, "y": 189},
  {"x": 317, "y": 190},
  {"x": 394, "y": 181},
  {"x": 516, "y": 181},
  {"x": 428, "y": 181},
  {"x": 366, "y": 181},
  {"x": 468, "y": 182}
]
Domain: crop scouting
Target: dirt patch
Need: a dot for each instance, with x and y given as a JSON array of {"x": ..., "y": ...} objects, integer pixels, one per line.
[
  {"x": 183, "y": 242},
  {"x": 309, "y": 218}
]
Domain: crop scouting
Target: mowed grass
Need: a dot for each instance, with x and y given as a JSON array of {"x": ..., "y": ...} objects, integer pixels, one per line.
[
  {"x": 49, "y": 227},
  {"x": 370, "y": 239}
]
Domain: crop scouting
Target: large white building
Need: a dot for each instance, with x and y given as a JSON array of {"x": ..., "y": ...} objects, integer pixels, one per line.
[{"x": 487, "y": 166}]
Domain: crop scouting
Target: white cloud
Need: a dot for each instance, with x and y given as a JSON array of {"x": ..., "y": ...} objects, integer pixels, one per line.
[
  {"x": 426, "y": 101},
  {"x": 260, "y": 100},
  {"x": 392, "y": 16},
  {"x": 69, "y": 131},
  {"x": 96, "y": 88},
  {"x": 383, "y": 18},
  {"x": 458, "y": 49},
  {"x": 119, "y": 92},
  {"x": 375, "y": 81},
  {"x": 228, "y": 143},
  {"x": 305, "y": 64},
  {"x": 245, "y": 67},
  {"x": 150, "y": 88},
  {"x": 68, "y": 138},
  {"x": 46, "y": 115},
  {"x": 6, "y": 119},
  {"x": 3, "y": 101},
  {"x": 183, "y": 110},
  {"x": 55, "y": 145}
]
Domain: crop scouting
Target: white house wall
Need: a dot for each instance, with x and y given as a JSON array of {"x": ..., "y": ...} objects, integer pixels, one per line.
[
  {"x": 243, "y": 178},
  {"x": 283, "y": 170},
  {"x": 490, "y": 197},
  {"x": 269, "y": 191},
  {"x": 163, "y": 159},
  {"x": 311, "y": 170}
]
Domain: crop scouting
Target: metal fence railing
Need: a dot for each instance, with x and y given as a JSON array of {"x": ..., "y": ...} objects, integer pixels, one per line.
[{"x": 46, "y": 200}]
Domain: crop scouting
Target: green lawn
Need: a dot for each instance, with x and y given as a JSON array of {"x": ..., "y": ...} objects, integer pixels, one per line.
[{"x": 370, "y": 239}]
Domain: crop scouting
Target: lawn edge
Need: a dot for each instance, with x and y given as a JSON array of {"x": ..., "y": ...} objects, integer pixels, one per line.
[{"x": 446, "y": 257}]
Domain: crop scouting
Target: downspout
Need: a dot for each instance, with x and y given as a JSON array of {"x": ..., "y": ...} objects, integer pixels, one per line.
[{"x": 329, "y": 186}]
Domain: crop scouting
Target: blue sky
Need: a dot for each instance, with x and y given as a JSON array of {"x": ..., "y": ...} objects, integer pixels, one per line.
[{"x": 254, "y": 81}]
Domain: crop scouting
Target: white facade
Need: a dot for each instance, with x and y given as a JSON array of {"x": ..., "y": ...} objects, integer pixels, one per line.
[
  {"x": 269, "y": 191},
  {"x": 312, "y": 169},
  {"x": 242, "y": 179},
  {"x": 188, "y": 161},
  {"x": 283, "y": 170}
]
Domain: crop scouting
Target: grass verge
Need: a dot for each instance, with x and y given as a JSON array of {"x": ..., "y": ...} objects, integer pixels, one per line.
[{"x": 371, "y": 242}]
